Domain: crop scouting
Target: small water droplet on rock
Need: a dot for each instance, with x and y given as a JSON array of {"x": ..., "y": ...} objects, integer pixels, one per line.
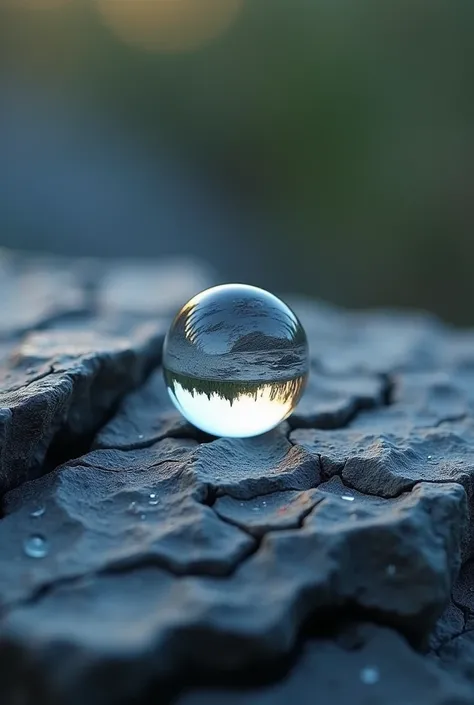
[
  {"x": 36, "y": 546},
  {"x": 370, "y": 675},
  {"x": 153, "y": 499},
  {"x": 347, "y": 497},
  {"x": 38, "y": 512}
]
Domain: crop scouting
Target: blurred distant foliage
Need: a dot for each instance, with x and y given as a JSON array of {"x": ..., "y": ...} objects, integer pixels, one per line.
[{"x": 350, "y": 123}]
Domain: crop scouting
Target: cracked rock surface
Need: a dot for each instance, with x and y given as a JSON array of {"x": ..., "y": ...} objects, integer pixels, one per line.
[{"x": 142, "y": 561}]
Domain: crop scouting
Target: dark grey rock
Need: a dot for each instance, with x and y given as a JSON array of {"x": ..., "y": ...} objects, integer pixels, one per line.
[
  {"x": 425, "y": 434},
  {"x": 451, "y": 623},
  {"x": 35, "y": 291},
  {"x": 163, "y": 556},
  {"x": 152, "y": 289},
  {"x": 85, "y": 348},
  {"x": 395, "y": 558},
  {"x": 144, "y": 417},
  {"x": 111, "y": 509},
  {"x": 371, "y": 665},
  {"x": 250, "y": 467},
  {"x": 382, "y": 460},
  {"x": 332, "y": 401},
  {"x": 374, "y": 342},
  {"x": 456, "y": 657},
  {"x": 62, "y": 385},
  {"x": 268, "y": 512},
  {"x": 452, "y": 644},
  {"x": 463, "y": 594}
]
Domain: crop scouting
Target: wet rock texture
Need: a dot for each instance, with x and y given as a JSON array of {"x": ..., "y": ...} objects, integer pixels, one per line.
[{"x": 329, "y": 561}]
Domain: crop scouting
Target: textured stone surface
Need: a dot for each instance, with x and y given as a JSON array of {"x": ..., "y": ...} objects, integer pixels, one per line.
[
  {"x": 366, "y": 664},
  {"x": 252, "y": 467},
  {"x": 426, "y": 433},
  {"x": 390, "y": 557},
  {"x": 151, "y": 289},
  {"x": 61, "y": 382},
  {"x": 111, "y": 509},
  {"x": 35, "y": 291},
  {"x": 144, "y": 417},
  {"x": 375, "y": 457},
  {"x": 166, "y": 559},
  {"x": 269, "y": 512},
  {"x": 332, "y": 401},
  {"x": 452, "y": 643}
]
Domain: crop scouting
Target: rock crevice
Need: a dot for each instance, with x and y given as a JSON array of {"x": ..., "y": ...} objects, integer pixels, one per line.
[{"x": 137, "y": 553}]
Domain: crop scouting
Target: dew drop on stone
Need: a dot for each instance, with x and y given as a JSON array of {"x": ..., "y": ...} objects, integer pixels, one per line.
[
  {"x": 153, "y": 499},
  {"x": 429, "y": 457},
  {"x": 370, "y": 675},
  {"x": 347, "y": 497},
  {"x": 38, "y": 512},
  {"x": 235, "y": 361},
  {"x": 36, "y": 546}
]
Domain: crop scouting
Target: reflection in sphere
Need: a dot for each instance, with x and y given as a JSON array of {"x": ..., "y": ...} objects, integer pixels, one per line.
[{"x": 235, "y": 360}]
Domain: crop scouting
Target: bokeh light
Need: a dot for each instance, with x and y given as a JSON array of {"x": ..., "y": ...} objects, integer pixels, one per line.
[
  {"x": 169, "y": 25},
  {"x": 37, "y": 4},
  {"x": 317, "y": 147}
]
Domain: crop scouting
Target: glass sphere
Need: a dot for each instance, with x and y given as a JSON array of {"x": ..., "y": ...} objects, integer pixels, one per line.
[{"x": 235, "y": 361}]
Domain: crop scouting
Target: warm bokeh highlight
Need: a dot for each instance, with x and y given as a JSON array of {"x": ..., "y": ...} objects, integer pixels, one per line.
[{"x": 168, "y": 25}]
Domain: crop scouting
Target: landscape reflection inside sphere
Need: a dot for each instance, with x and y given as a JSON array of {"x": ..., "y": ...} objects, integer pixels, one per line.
[{"x": 235, "y": 360}]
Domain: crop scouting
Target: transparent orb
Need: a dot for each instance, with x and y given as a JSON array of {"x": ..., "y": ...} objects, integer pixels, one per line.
[{"x": 235, "y": 361}]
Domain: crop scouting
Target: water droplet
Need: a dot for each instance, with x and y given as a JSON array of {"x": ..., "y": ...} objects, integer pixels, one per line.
[
  {"x": 391, "y": 570},
  {"x": 347, "y": 497},
  {"x": 235, "y": 361},
  {"x": 429, "y": 457},
  {"x": 264, "y": 504},
  {"x": 37, "y": 512},
  {"x": 370, "y": 675},
  {"x": 153, "y": 499},
  {"x": 140, "y": 436},
  {"x": 36, "y": 546}
]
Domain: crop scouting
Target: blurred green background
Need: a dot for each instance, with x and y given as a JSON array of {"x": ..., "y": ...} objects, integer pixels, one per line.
[{"x": 316, "y": 146}]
